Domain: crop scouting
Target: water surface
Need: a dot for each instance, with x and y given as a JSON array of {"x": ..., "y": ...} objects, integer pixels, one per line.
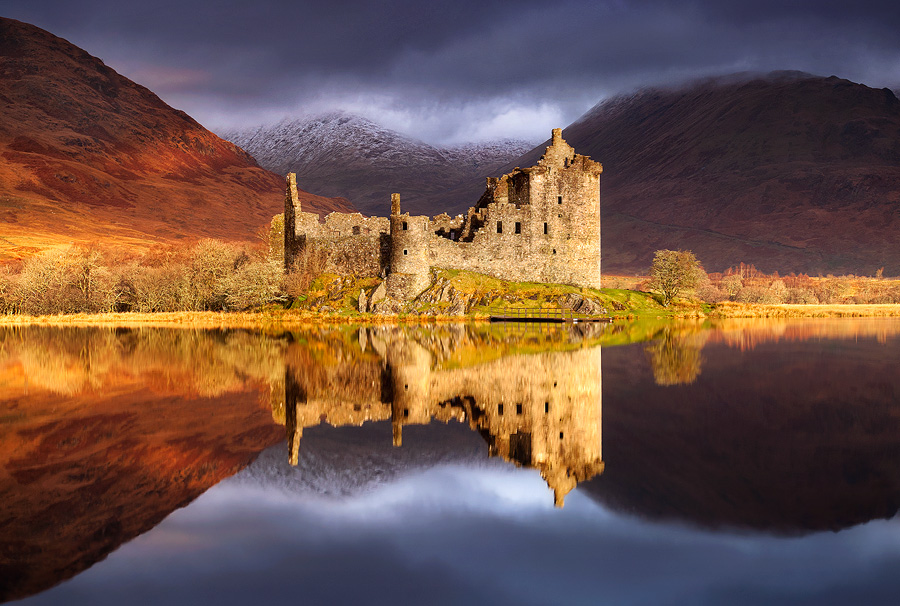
[{"x": 729, "y": 463}]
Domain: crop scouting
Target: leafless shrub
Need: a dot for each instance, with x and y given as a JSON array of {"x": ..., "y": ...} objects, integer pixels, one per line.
[
  {"x": 9, "y": 291},
  {"x": 710, "y": 293},
  {"x": 829, "y": 290},
  {"x": 309, "y": 263},
  {"x": 801, "y": 296},
  {"x": 731, "y": 285},
  {"x": 254, "y": 283},
  {"x": 157, "y": 289},
  {"x": 759, "y": 295}
]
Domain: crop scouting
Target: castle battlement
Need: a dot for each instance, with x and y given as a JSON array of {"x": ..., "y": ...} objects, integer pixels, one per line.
[{"x": 535, "y": 224}]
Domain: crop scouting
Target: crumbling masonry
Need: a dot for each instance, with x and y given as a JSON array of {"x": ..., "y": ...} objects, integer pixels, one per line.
[{"x": 538, "y": 224}]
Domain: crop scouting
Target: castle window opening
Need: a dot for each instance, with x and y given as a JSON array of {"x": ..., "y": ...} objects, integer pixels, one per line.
[
  {"x": 546, "y": 407},
  {"x": 518, "y": 227},
  {"x": 499, "y": 227},
  {"x": 560, "y": 435},
  {"x": 356, "y": 230},
  {"x": 405, "y": 251},
  {"x": 357, "y": 407},
  {"x": 405, "y": 412},
  {"x": 499, "y": 409},
  {"x": 405, "y": 226},
  {"x": 546, "y": 230},
  {"x": 559, "y": 199},
  {"x": 518, "y": 409},
  {"x": 406, "y": 387},
  {"x": 554, "y": 251}
]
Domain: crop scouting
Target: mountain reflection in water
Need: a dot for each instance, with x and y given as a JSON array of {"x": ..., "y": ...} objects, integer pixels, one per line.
[{"x": 784, "y": 428}]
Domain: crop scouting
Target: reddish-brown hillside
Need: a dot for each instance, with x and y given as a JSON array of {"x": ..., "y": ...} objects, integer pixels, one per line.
[
  {"x": 95, "y": 454},
  {"x": 790, "y": 172},
  {"x": 88, "y": 155}
]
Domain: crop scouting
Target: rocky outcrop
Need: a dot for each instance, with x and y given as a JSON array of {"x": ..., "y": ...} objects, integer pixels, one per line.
[{"x": 582, "y": 305}]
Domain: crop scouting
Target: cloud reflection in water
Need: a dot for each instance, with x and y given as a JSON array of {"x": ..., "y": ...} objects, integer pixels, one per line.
[{"x": 480, "y": 533}]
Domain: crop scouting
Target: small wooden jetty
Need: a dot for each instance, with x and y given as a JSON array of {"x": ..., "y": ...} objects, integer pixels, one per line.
[{"x": 553, "y": 315}]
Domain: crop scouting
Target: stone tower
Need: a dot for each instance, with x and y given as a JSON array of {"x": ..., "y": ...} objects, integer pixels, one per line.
[{"x": 537, "y": 224}]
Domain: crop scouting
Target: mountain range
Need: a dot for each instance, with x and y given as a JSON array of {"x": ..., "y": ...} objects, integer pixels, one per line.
[
  {"x": 88, "y": 155},
  {"x": 342, "y": 154},
  {"x": 787, "y": 171}
]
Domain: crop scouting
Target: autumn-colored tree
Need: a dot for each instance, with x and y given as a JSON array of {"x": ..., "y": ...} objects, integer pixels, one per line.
[{"x": 673, "y": 272}]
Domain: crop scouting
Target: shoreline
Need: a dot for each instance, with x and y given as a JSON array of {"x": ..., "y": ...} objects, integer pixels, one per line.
[{"x": 287, "y": 318}]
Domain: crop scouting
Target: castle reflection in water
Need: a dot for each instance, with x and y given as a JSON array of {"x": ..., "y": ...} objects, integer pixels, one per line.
[{"x": 537, "y": 402}]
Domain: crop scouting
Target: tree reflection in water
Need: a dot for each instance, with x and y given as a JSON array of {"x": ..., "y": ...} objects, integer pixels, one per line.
[{"x": 675, "y": 354}]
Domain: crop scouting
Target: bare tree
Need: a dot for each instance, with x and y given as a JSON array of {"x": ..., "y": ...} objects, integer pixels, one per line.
[{"x": 673, "y": 272}]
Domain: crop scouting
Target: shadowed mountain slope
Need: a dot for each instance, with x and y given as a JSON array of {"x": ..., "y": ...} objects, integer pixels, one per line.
[
  {"x": 340, "y": 154},
  {"x": 791, "y": 172},
  {"x": 86, "y": 154}
]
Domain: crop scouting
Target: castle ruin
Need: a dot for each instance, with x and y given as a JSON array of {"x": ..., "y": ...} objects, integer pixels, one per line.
[{"x": 537, "y": 224}]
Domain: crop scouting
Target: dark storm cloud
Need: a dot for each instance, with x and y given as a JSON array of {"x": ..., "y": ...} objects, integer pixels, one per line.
[{"x": 442, "y": 69}]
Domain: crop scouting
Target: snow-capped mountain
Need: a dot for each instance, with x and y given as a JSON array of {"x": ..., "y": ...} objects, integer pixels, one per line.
[{"x": 341, "y": 154}]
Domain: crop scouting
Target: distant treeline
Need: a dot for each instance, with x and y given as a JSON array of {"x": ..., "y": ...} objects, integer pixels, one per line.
[
  {"x": 746, "y": 284},
  {"x": 207, "y": 276},
  {"x": 211, "y": 275}
]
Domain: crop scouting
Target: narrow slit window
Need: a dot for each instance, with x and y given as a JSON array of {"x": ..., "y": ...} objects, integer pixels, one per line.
[
  {"x": 405, "y": 412},
  {"x": 518, "y": 227},
  {"x": 560, "y": 435},
  {"x": 405, "y": 251},
  {"x": 546, "y": 230},
  {"x": 405, "y": 226},
  {"x": 546, "y": 407},
  {"x": 559, "y": 199},
  {"x": 518, "y": 409},
  {"x": 499, "y": 227},
  {"x": 499, "y": 409}
]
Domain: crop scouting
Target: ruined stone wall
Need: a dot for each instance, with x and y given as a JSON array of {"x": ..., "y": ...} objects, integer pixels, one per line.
[{"x": 352, "y": 244}]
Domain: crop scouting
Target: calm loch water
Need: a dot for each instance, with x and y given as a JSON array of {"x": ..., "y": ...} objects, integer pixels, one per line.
[{"x": 734, "y": 462}]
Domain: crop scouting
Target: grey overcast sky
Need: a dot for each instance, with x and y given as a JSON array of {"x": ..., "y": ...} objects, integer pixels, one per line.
[{"x": 458, "y": 70}]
